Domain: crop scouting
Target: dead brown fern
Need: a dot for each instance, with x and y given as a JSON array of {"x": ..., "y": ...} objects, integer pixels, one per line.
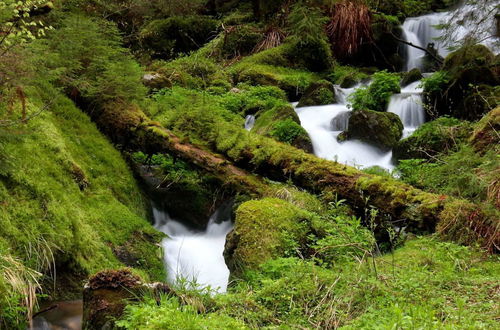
[
  {"x": 349, "y": 27},
  {"x": 273, "y": 37}
]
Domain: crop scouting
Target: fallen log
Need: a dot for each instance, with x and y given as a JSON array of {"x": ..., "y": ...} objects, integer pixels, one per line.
[{"x": 243, "y": 154}]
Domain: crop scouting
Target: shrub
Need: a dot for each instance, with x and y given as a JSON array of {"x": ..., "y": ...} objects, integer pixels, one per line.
[
  {"x": 436, "y": 82},
  {"x": 376, "y": 96}
]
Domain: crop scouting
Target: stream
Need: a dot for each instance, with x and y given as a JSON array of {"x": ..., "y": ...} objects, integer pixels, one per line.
[{"x": 195, "y": 258}]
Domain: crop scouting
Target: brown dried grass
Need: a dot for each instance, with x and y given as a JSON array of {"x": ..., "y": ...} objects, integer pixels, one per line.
[{"x": 349, "y": 27}]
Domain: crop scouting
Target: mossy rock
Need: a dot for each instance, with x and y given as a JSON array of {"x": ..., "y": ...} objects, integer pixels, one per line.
[
  {"x": 166, "y": 38},
  {"x": 318, "y": 93},
  {"x": 382, "y": 129},
  {"x": 283, "y": 124},
  {"x": 473, "y": 75},
  {"x": 411, "y": 76},
  {"x": 293, "y": 82},
  {"x": 265, "y": 229},
  {"x": 441, "y": 135},
  {"x": 486, "y": 131}
]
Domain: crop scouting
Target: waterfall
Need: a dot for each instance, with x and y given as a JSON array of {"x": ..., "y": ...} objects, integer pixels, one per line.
[
  {"x": 324, "y": 123},
  {"x": 249, "y": 122},
  {"x": 193, "y": 257},
  {"x": 408, "y": 105},
  {"x": 469, "y": 20}
]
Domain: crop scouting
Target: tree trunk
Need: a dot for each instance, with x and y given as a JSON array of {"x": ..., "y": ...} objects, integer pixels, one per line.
[{"x": 400, "y": 203}]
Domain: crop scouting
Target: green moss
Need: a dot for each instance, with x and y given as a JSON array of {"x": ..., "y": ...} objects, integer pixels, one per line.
[
  {"x": 438, "y": 136},
  {"x": 293, "y": 82},
  {"x": 383, "y": 129},
  {"x": 485, "y": 134},
  {"x": 240, "y": 40},
  {"x": 67, "y": 193},
  {"x": 266, "y": 229},
  {"x": 166, "y": 38},
  {"x": 411, "y": 76},
  {"x": 318, "y": 93}
]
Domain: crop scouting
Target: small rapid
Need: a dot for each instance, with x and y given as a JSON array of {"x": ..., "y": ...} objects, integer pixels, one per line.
[
  {"x": 408, "y": 105},
  {"x": 470, "y": 21},
  {"x": 324, "y": 124},
  {"x": 249, "y": 122},
  {"x": 195, "y": 258}
]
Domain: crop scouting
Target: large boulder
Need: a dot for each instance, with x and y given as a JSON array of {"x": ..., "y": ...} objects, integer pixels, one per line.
[
  {"x": 382, "y": 129},
  {"x": 265, "y": 229},
  {"x": 437, "y": 136},
  {"x": 468, "y": 92},
  {"x": 318, "y": 93},
  {"x": 411, "y": 76},
  {"x": 283, "y": 124}
]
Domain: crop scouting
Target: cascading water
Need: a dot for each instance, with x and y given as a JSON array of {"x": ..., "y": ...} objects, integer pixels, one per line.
[
  {"x": 472, "y": 20},
  {"x": 249, "y": 122},
  {"x": 408, "y": 105},
  {"x": 194, "y": 257},
  {"x": 324, "y": 123}
]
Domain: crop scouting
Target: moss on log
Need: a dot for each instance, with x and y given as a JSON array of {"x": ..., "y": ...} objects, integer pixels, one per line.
[{"x": 242, "y": 154}]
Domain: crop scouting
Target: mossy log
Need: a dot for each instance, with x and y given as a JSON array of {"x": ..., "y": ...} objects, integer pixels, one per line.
[{"x": 243, "y": 154}]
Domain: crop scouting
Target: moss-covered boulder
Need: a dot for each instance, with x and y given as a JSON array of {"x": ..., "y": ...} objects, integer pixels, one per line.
[
  {"x": 293, "y": 82},
  {"x": 166, "y": 38},
  {"x": 265, "y": 229},
  {"x": 441, "y": 135},
  {"x": 318, "y": 93},
  {"x": 469, "y": 90},
  {"x": 486, "y": 133},
  {"x": 283, "y": 124},
  {"x": 382, "y": 129},
  {"x": 411, "y": 76}
]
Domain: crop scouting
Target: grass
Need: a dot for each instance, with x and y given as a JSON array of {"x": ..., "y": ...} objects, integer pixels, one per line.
[
  {"x": 68, "y": 201},
  {"x": 425, "y": 284}
]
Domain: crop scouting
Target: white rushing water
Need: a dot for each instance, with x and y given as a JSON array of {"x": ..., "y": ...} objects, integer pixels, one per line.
[
  {"x": 476, "y": 21},
  {"x": 249, "y": 122},
  {"x": 193, "y": 257},
  {"x": 408, "y": 105},
  {"x": 324, "y": 123}
]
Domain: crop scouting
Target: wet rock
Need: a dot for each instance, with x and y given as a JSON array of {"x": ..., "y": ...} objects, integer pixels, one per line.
[
  {"x": 318, "y": 93},
  {"x": 411, "y": 76},
  {"x": 382, "y": 129},
  {"x": 469, "y": 91},
  {"x": 108, "y": 292}
]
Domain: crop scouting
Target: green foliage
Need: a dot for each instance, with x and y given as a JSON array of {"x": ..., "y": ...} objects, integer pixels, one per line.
[
  {"x": 436, "y": 82},
  {"x": 68, "y": 195},
  {"x": 346, "y": 76},
  {"x": 287, "y": 130},
  {"x": 376, "y": 96},
  {"x": 240, "y": 40},
  {"x": 170, "y": 37},
  {"x": 168, "y": 313},
  {"x": 17, "y": 24},
  {"x": 438, "y": 136},
  {"x": 84, "y": 55},
  {"x": 308, "y": 37},
  {"x": 463, "y": 174}
]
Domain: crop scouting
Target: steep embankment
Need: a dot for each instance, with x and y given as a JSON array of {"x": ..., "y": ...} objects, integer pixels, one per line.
[{"x": 69, "y": 205}]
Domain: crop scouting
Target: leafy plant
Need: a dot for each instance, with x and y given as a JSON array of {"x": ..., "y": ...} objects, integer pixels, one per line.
[{"x": 376, "y": 95}]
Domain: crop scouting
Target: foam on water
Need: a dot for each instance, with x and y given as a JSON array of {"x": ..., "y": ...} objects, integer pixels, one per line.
[{"x": 194, "y": 257}]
